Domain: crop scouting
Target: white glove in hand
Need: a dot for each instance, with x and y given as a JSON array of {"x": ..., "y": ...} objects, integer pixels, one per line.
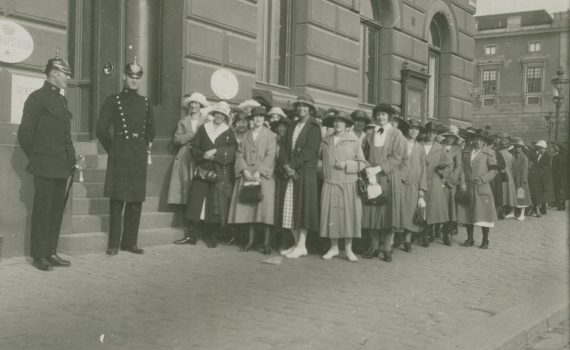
[
  {"x": 372, "y": 171},
  {"x": 421, "y": 203}
]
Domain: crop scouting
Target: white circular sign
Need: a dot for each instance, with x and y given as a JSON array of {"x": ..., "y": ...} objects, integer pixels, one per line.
[
  {"x": 16, "y": 43},
  {"x": 224, "y": 84}
]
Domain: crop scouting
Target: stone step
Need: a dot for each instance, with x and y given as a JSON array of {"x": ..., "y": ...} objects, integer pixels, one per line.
[
  {"x": 86, "y": 148},
  {"x": 93, "y": 242},
  {"x": 100, "y": 223},
  {"x": 93, "y": 206},
  {"x": 98, "y": 161},
  {"x": 91, "y": 190},
  {"x": 91, "y": 175}
]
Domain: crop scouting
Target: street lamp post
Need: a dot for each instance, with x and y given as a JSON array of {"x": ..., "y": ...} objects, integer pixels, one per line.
[
  {"x": 549, "y": 124},
  {"x": 558, "y": 82}
]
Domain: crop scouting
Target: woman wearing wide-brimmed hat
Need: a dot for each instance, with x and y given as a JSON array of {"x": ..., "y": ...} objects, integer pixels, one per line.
[
  {"x": 255, "y": 162},
  {"x": 213, "y": 149},
  {"x": 505, "y": 177},
  {"x": 182, "y": 167},
  {"x": 240, "y": 123},
  {"x": 414, "y": 183},
  {"x": 479, "y": 167},
  {"x": 360, "y": 119},
  {"x": 450, "y": 144},
  {"x": 437, "y": 169},
  {"x": 298, "y": 158},
  {"x": 341, "y": 208},
  {"x": 385, "y": 150},
  {"x": 520, "y": 178}
]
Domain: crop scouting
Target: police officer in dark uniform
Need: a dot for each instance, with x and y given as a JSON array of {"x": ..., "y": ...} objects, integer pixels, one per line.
[
  {"x": 126, "y": 129},
  {"x": 45, "y": 137}
]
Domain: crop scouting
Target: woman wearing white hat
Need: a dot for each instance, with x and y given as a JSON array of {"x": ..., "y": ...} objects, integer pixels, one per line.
[{"x": 183, "y": 165}]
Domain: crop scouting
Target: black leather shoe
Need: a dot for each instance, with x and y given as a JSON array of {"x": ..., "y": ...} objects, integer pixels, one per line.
[
  {"x": 186, "y": 240},
  {"x": 265, "y": 250},
  {"x": 112, "y": 251},
  {"x": 134, "y": 250},
  {"x": 231, "y": 241},
  {"x": 426, "y": 241},
  {"x": 56, "y": 261},
  {"x": 42, "y": 264},
  {"x": 371, "y": 253},
  {"x": 387, "y": 256},
  {"x": 484, "y": 245},
  {"x": 408, "y": 247},
  {"x": 211, "y": 244},
  {"x": 446, "y": 239},
  {"x": 468, "y": 243}
]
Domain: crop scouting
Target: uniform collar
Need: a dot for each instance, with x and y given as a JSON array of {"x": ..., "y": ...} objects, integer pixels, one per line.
[
  {"x": 52, "y": 87},
  {"x": 126, "y": 90}
]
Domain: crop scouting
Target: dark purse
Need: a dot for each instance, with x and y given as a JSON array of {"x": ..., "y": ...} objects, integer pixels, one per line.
[
  {"x": 205, "y": 175},
  {"x": 419, "y": 216},
  {"x": 363, "y": 191},
  {"x": 250, "y": 193},
  {"x": 463, "y": 197}
]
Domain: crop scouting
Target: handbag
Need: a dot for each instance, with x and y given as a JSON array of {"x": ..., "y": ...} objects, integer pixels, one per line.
[
  {"x": 362, "y": 186},
  {"x": 205, "y": 175},
  {"x": 521, "y": 193},
  {"x": 250, "y": 192},
  {"x": 463, "y": 197},
  {"x": 420, "y": 216}
]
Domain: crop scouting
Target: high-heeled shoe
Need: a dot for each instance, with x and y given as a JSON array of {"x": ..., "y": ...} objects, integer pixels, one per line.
[
  {"x": 371, "y": 253},
  {"x": 387, "y": 256},
  {"x": 468, "y": 243},
  {"x": 265, "y": 250},
  {"x": 408, "y": 247}
]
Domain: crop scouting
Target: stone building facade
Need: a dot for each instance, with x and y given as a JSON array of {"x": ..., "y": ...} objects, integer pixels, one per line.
[
  {"x": 347, "y": 54},
  {"x": 517, "y": 55}
]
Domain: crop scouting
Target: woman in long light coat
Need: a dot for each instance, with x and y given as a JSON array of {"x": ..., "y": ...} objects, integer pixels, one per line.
[
  {"x": 437, "y": 168},
  {"x": 384, "y": 149},
  {"x": 341, "y": 207},
  {"x": 520, "y": 178},
  {"x": 183, "y": 166},
  {"x": 414, "y": 183},
  {"x": 479, "y": 167},
  {"x": 255, "y": 162},
  {"x": 505, "y": 176}
]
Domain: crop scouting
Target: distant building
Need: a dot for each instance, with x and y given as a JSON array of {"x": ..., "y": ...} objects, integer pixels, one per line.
[
  {"x": 347, "y": 54},
  {"x": 517, "y": 55}
]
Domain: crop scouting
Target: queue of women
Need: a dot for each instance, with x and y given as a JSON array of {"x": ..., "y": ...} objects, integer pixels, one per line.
[{"x": 366, "y": 184}]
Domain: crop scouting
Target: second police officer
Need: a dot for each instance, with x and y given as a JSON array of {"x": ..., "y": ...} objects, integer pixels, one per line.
[{"x": 130, "y": 117}]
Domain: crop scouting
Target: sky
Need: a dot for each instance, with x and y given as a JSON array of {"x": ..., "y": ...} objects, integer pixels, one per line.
[{"x": 486, "y": 7}]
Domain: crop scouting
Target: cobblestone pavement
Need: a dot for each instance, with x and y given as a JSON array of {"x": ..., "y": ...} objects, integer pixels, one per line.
[
  {"x": 555, "y": 339},
  {"x": 191, "y": 297}
]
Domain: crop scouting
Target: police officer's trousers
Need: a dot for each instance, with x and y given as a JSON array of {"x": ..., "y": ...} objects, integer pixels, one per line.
[
  {"x": 131, "y": 221},
  {"x": 47, "y": 213}
]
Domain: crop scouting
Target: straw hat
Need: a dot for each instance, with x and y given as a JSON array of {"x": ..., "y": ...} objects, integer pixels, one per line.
[{"x": 195, "y": 97}]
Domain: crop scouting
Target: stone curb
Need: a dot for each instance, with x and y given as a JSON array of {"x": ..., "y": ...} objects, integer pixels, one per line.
[{"x": 516, "y": 327}]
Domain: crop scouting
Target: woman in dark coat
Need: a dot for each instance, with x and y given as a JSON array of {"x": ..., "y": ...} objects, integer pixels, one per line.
[
  {"x": 560, "y": 176},
  {"x": 540, "y": 178},
  {"x": 298, "y": 158},
  {"x": 213, "y": 149}
]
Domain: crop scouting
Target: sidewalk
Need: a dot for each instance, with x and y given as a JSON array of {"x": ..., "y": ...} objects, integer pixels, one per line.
[{"x": 191, "y": 297}]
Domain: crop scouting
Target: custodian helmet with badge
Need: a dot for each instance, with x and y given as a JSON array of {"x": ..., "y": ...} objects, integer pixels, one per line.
[
  {"x": 133, "y": 70},
  {"x": 57, "y": 63}
]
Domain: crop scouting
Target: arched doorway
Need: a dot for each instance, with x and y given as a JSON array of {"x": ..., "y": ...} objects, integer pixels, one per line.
[{"x": 439, "y": 46}]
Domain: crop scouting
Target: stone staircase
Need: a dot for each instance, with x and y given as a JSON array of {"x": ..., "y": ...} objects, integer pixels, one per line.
[{"x": 160, "y": 224}]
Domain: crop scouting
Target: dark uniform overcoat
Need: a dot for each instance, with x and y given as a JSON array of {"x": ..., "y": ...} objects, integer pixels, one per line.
[
  {"x": 131, "y": 118},
  {"x": 45, "y": 134}
]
